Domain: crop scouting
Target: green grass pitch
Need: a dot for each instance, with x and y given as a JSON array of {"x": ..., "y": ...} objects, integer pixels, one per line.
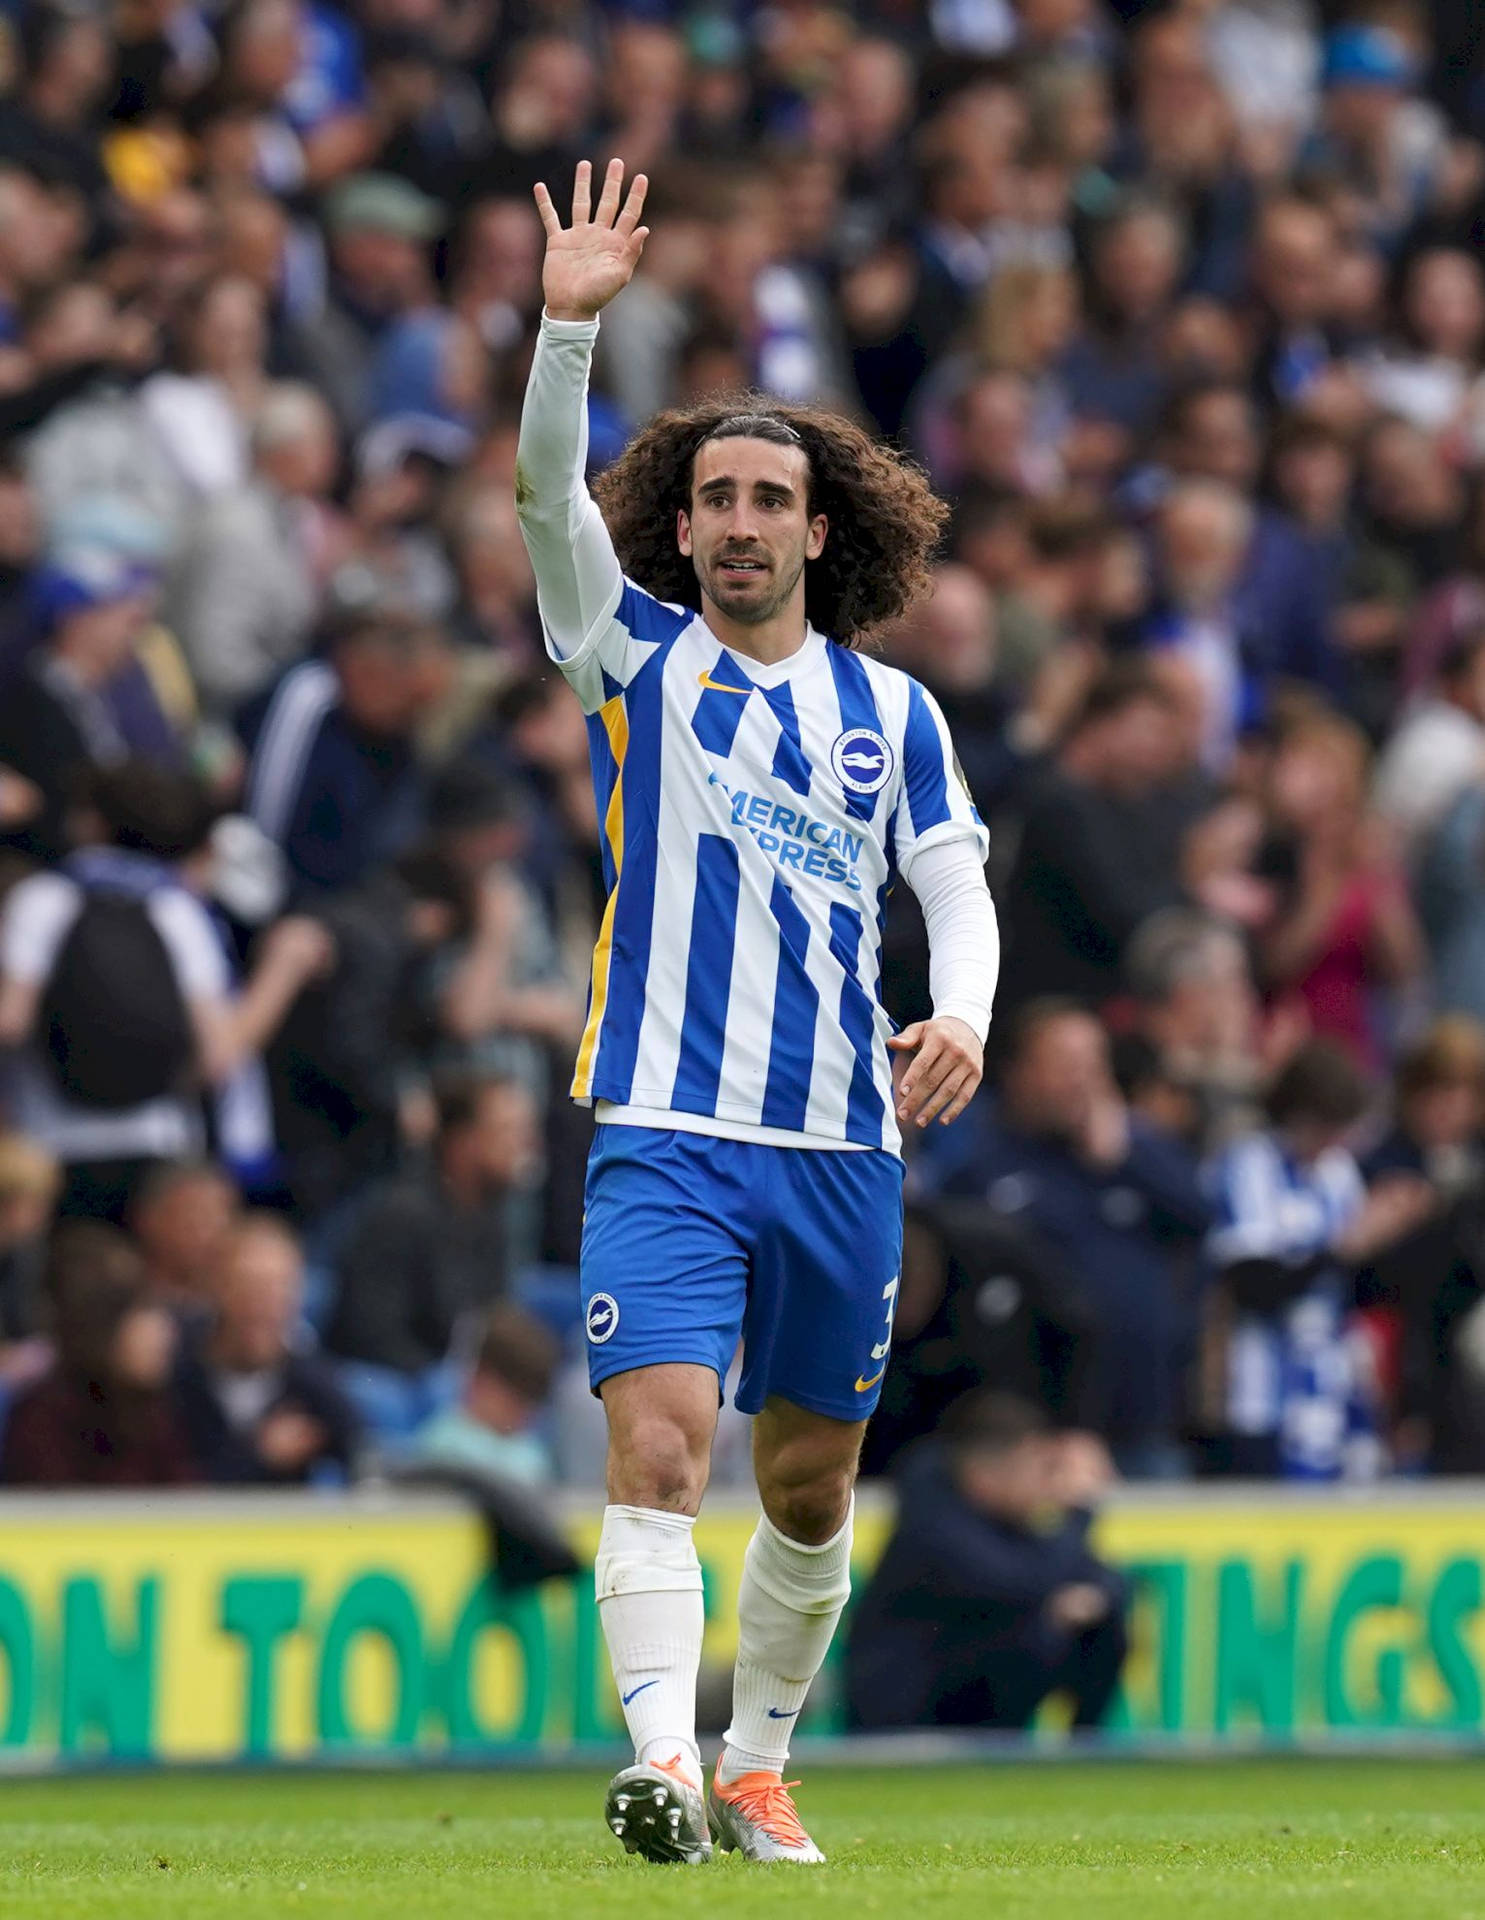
[{"x": 1251, "y": 1839}]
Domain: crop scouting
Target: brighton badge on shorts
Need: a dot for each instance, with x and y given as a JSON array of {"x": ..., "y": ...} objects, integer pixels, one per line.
[
  {"x": 861, "y": 760},
  {"x": 602, "y": 1318}
]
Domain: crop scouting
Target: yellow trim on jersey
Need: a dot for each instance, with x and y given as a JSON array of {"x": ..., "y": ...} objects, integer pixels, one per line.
[{"x": 616, "y": 726}]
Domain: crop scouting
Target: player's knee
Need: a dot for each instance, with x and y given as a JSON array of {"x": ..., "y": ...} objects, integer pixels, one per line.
[
  {"x": 657, "y": 1463},
  {"x": 811, "y": 1509}
]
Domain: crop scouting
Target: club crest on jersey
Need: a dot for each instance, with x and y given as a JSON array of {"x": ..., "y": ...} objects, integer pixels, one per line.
[
  {"x": 601, "y": 1319},
  {"x": 861, "y": 760}
]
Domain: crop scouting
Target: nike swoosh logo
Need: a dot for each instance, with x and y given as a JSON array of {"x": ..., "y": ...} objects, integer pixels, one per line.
[
  {"x": 865, "y": 1386},
  {"x": 634, "y": 1693},
  {"x": 774, "y": 1713},
  {"x": 716, "y": 686}
]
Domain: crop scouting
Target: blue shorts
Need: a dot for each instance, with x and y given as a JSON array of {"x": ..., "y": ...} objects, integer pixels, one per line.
[{"x": 691, "y": 1242}]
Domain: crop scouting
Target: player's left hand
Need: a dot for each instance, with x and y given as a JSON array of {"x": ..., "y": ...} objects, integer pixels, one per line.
[{"x": 947, "y": 1065}]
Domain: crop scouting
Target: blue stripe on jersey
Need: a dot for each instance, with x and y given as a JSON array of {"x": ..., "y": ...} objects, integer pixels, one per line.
[
  {"x": 791, "y": 1047},
  {"x": 605, "y": 772},
  {"x": 634, "y": 903},
  {"x": 858, "y": 708},
  {"x": 925, "y": 777},
  {"x": 648, "y": 618},
  {"x": 719, "y": 712},
  {"x": 858, "y": 1019},
  {"x": 708, "y": 975},
  {"x": 789, "y": 763}
]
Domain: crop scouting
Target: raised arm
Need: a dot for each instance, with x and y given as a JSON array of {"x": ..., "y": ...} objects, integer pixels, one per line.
[{"x": 577, "y": 572}]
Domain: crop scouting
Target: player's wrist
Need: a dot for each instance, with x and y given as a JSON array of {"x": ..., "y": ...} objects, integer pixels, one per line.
[
  {"x": 565, "y": 318},
  {"x": 975, "y": 1018}
]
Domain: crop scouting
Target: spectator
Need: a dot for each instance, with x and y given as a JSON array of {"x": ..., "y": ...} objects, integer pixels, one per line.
[
  {"x": 989, "y": 1598},
  {"x": 1281, "y": 592},
  {"x": 257, "y": 1407},
  {"x": 1428, "y": 377},
  {"x": 1293, "y": 272},
  {"x": 491, "y": 1430},
  {"x": 204, "y": 413},
  {"x": 1058, "y": 1155},
  {"x": 333, "y": 779},
  {"x": 1438, "y": 751},
  {"x": 1205, "y": 529},
  {"x": 182, "y": 1216},
  {"x": 984, "y": 1304},
  {"x": 380, "y": 232},
  {"x": 104, "y": 1416},
  {"x": 1101, "y": 846},
  {"x": 501, "y": 1002},
  {"x": 1345, "y": 930},
  {"x": 1114, "y": 372},
  {"x": 58, "y": 722},
  {"x": 1196, "y": 1007},
  {"x": 1293, "y": 1222},
  {"x": 1438, "y": 1127},
  {"x": 249, "y": 592},
  {"x": 430, "y": 1252},
  {"x": 51, "y": 127},
  {"x": 117, "y": 992},
  {"x": 355, "y": 1052}
]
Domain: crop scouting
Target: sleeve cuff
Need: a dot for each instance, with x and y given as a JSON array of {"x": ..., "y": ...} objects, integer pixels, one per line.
[
  {"x": 975, "y": 1016},
  {"x": 568, "y": 329}
]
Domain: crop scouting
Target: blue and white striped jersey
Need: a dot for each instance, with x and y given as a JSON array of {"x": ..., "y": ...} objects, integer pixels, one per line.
[
  {"x": 753, "y": 819},
  {"x": 1300, "y": 1373}
]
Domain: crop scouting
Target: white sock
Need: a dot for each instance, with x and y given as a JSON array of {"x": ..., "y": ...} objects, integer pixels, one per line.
[
  {"x": 649, "y": 1600},
  {"x": 788, "y": 1606}
]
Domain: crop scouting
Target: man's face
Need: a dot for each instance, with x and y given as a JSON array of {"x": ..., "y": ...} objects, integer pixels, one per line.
[
  {"x": 1060, "y": 1073},
  {"x": 750, "y": 531},
  {"x": 1011, "y": 1483},
  {"x": 1136, "y": 747},
  {"x": 184, "y": 1229},
  {"x": 386, "y": 689},
  {"x": 1219, "y": 440},
  {"x": 258, "y": 1299},
  {"x": 106, "y": 634},
  {"x": 505, "y": 1137},
  {"x": 1201, "y": 552},
  {"x": 1294, "y": 263}
]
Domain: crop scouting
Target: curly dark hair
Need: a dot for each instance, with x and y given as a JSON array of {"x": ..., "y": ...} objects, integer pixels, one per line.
[{"x": 885, "y": 520}]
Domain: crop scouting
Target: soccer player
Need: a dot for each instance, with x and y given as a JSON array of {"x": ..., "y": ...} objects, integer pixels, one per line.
[{"x": 761, "y": 783}]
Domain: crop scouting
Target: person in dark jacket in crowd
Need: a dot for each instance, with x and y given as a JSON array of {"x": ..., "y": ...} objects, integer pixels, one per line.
[
  {"x": 429, "y": 1253},
  {"x": 104, "y": 1416},
  {"x": 985, "y": 1303},
  {"x": 58, "y": 721},
  {"x": 333, "y": 779},
  {"x": 355, "y": 1044},
  {"x": 1059, "y": 1154},
  {"x": 258, "y": 1408},
  {"x": 1101, "y": 848},
  {"x": 989, "y": 1597}
]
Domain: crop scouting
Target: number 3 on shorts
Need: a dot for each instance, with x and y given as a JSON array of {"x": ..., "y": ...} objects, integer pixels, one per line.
[{"x": 889, "y": 1294}]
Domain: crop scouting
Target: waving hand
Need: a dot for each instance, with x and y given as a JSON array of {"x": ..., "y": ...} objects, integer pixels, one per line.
[{"x": 593, "y": 259}]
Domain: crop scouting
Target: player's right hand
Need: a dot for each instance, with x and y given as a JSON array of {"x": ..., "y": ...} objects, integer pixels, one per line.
[{"x": 593, "y": 259}]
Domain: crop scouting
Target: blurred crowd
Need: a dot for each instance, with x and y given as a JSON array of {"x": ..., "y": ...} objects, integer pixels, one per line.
[{"x": 1182, "y": 308}]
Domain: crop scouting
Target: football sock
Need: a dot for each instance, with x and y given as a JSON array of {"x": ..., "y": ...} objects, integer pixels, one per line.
[
  {"x": 649, "y": 1600},
  {"x": 790, "y": 1602}
]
